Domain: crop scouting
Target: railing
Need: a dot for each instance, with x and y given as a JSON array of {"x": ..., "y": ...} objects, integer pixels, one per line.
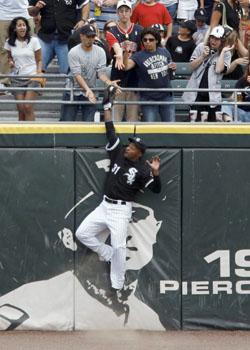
[{"x": 71, "y": 89}]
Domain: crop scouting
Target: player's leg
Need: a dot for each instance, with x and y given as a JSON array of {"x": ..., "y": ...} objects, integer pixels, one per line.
[
  {"x": 86, "y": 233},
  {"x": 118, "y": 220}
]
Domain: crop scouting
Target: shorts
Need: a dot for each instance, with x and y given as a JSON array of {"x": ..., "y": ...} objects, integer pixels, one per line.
[{"x": 15, "y": 82}]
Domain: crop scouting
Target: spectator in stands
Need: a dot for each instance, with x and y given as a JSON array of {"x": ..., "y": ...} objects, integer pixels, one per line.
[
  {"x": 125, "y": 36},
  {"x": 154, "y": 66},
  {"x": 161, "y": 29},
  {"x": 181, "y": 46},
  {"x": 9, "y": 9},
  {"x": 239, "y": 56},
  {"x": 107, "y": 26},
  {"x": 186, "y": 9},
  {"x": 208, "y": 5},
  {"x": 103, "y": 11},
  {"x": 233, "y": 13},
  {"x": 152, "y": 12},
  {"x": 171, "y": 6},
  {"x": 74, "y": 40},
  {"x": 86, "y": 61},
  {"x": 58, "y": 19},
  {"x": 209, "y": 63},
  {"x": 24, "y": 58},
  {"x": 243, "y": 111},
  {"x": 201, "y": 26}
]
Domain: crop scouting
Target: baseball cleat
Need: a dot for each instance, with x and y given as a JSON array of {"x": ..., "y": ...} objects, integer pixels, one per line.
[{"x": 109, "y": 96}]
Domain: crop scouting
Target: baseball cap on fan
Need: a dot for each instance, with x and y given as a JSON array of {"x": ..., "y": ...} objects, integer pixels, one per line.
[
  {"x": 200, "y": 15},
  {"x": 124, "y": 3},
  {"x": 218, "y": 32},
  {"x": 88, "y": 30},
  {"x": 138, "y": 142}
]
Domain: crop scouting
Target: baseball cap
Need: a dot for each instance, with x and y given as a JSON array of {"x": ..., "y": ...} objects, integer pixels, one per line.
[
  {"x": 190, "y": 25},
  {"x": 218, "y": 32},
  {"x": 124, "y": 3},
  {"x": 158, "y": 27},
  {"x": 138, "y": 142},
  {"x": 200, "y": 15},
  {"x": 88, "y": 30}
]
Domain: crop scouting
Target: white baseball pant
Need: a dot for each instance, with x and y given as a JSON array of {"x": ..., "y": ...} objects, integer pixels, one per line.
[{"x": 116, "y": 218}]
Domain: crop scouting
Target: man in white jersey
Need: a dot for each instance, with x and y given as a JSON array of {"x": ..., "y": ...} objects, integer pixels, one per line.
[{"x": 9, "y": 9}]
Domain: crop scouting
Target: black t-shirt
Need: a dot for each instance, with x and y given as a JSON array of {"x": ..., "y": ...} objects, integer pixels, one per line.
[
  {"x": 243, "y": 84},
  {"x": 180, "y": 51},
  {"x": 126, "y": 177},
  {"x": 58, "y": 18},
  {"x": 237, "y": 73},
  {"x": 233, "y": 14},
  {"x": 133, "y": 39}
]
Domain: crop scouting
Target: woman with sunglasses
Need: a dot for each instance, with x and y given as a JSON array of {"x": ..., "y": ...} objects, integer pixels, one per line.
[{"x": 154, "y": 67}]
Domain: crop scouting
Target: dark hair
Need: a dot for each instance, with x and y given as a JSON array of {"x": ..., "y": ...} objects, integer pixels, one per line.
[
  {"x": 12, "y": 30},
  {"x": 153, "y": 32},
  {"x": 106, "y": 25}
]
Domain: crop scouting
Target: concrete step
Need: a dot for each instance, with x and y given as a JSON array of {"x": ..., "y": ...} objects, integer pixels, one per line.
[{"x": 40, "y": 116}]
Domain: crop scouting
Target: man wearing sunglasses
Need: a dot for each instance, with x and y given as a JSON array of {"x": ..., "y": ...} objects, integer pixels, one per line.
[{"x": 155, "y": 68}]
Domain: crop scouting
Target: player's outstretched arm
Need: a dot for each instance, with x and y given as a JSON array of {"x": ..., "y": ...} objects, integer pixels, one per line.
[
  {"x": 154, "y": 164},
  {"x": 108, "y": 98}
]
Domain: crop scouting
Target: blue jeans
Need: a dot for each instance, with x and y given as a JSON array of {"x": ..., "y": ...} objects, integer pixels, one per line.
[
  {"x": 243, "y": 116},
  {"x": 69, "y": 111},
  {"x": 172, "y": 10},
  {"x": 52, "y": 49},
  {"x": 151, "y": 113}
]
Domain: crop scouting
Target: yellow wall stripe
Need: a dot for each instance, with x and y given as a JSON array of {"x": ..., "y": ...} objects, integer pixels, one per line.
[{"x": 75, "y": 128}]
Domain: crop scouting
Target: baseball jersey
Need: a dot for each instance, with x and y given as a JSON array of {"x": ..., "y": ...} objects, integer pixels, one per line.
[
  {"x": 126, "y": 177},
  {"x": 130, "y": 41}
]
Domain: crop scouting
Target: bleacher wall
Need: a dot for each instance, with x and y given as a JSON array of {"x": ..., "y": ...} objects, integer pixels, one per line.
[{"x": 188, "y": 248}]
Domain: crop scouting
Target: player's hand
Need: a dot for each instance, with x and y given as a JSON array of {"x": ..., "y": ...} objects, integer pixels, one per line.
[
  {"x": 154, "y": 164},
  {"x": 90, "y": 96},
  {"x": 40, "y": 4}
]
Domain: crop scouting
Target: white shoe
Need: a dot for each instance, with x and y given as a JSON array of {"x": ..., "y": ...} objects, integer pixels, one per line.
[{"x": 227, "y": 118}]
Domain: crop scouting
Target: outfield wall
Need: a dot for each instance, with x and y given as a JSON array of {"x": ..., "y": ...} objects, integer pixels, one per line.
[{"x": 188, "y": 248}]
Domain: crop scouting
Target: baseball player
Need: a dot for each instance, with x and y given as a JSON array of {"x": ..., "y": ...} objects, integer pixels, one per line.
[{"x": 127, "y": 175}]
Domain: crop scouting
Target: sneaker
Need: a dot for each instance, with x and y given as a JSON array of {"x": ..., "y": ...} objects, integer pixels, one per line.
[
  {"x": 227, "y": 118},
  {"x": 109, "y": 96}
]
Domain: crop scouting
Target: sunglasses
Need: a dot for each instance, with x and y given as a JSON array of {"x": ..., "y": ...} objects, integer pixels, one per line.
[{"x": 148, "y": 39}]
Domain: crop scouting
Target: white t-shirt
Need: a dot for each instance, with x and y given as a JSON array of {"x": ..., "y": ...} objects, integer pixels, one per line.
[
  {"x": 187, "y": 4},
  {"x": 10, "y": 9},
  {"x": 23, "y": 55}
]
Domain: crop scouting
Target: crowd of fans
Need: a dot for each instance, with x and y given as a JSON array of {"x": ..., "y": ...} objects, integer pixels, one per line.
[{"x": 141, "y": 41}]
